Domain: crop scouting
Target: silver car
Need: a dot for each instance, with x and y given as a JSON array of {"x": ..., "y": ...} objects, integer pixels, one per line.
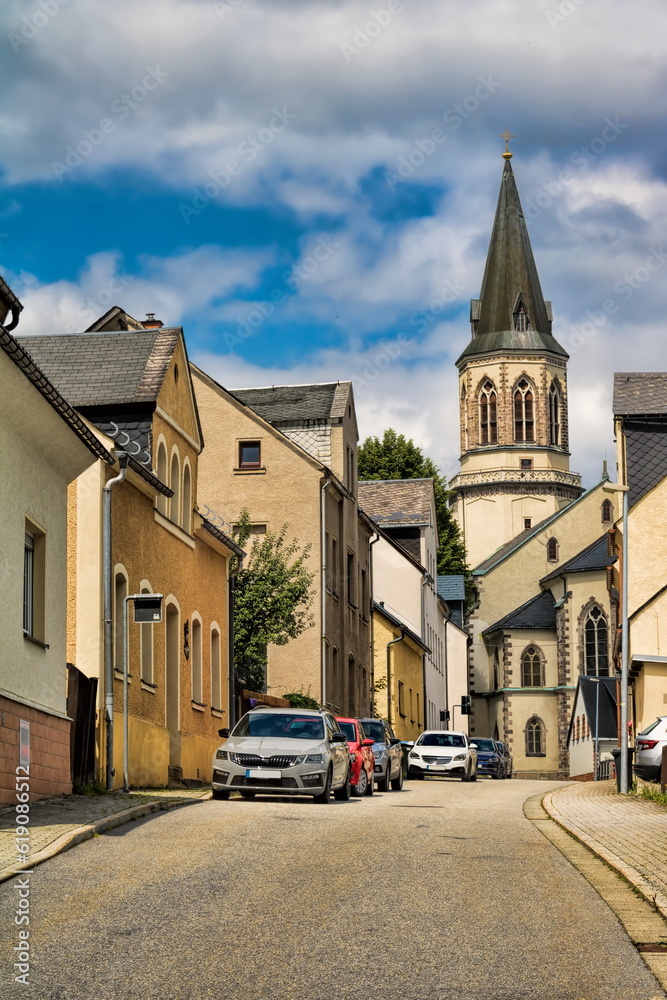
[
  {"x": 388, "y": 754},
  {"x": 648, "y": 750},
  {"x": 283, "y": 751}
]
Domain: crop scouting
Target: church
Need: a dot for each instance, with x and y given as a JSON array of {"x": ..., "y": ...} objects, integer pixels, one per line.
[{"x": 541, "y": 548}]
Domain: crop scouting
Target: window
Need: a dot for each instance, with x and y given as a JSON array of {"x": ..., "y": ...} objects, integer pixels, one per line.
[
  {"x": 351, "y": 580},
  {"x": 334, "y": 566},
  {"x": 552, "y": 550},
  {"x": 524, "y": 426},
  {"x": 521, "y": 321},
  {"x": 216, "y": 672},
  {"x": 577, "y": 729},
  {"x": 607, "y": 511},
  {"x": 335, "y": 679},
  {"x": 464, "y": 417},
  {"x": 535, "y": 742},
  {"x": 34, "y": 581},
  {"x": 531, "y": 668},
  {"x": 146, "y": 642},
  {"x": 526, "y": 463},
  {"x": 351, "y": 686},
  {"x": 187, "y": 497},
  {"x": 364, "y": 595},
  {"x": 554, "y": 415},
  {"x": 527, "y": 523},
  {"x": 28, "y": 579},
  {"x": 488, "y": 420},
  {"x": 596, "y": 641},
  {"x": 175, "y": 484},
  {"x": 197, "y": 694},
  {"x": 162, "y": 475},
  {"x": 401, "y": 699},
  {"x": 250, "y": 455},
  {"x": 120, "y": 593}
]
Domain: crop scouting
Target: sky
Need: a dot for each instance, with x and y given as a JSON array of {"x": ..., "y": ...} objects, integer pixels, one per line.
[{"x": 308, "y": 186}]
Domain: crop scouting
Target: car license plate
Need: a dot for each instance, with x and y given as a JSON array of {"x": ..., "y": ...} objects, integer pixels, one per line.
[{"x": 265, "y": 772}]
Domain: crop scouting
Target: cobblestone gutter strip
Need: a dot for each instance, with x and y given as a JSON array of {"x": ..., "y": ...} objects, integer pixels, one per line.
[
  {"x": 652, "y": 895},
  {"x": 81, "y": 833}
]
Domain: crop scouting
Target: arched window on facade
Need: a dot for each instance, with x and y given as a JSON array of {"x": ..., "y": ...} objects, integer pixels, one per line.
[
  {"x": 488, "y": 418},
  {"x": 146, "y": 640},
  {"x": 535, "y": 741},
  {"x": 196, "y": 659},
  {"x": 554, "y": 415},
  {"x": 552, "y": 550},
  {"x": 175, "y": 484},
  {"x": 464, "y": 418},
  {"x": 351, "y": 684},
  {"x": 216, "y": 669},
  {"x": 607, "y": 512},
  {"x": 596, "y": 643},
  {"x": 120, "y": 593},
  {"x": 524, "y": 421},
  {"x": 531, "y": 668},
  {"x": 187, "y": 497},
  {"x": 162, "y": 474}
]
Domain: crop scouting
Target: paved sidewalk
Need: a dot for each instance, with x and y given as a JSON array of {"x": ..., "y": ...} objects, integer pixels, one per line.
[
  {"x": 59, "y": 823},
  {"x": 627, "y": 832}
]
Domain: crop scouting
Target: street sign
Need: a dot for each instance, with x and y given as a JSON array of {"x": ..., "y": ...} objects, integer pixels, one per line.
[{"x": 147, "y": 609}]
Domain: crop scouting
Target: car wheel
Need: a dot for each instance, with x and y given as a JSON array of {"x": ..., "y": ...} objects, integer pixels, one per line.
[
  {"x": 370, "y": 787},
  {"x": 384, "y": 784},
  {"x": 495, "y": 776},
  {"x": 218, "y": 793},
  {"x": 343, "y": 793},
  {"x": 397, "y": 783},
  {"x": 465, "y": 776},
  {"x": 324, "y": 796},
  {"x": 419, "y": 775},
  {"x": 473, "y": 776},
  {"x": 361, "y": 787},
  {"x": 248, "y": 795}
]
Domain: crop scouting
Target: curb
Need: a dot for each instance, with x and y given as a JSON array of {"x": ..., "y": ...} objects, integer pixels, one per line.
[
  {"x": 82, "y": 833},
  {"x": 652, "y": 895}
]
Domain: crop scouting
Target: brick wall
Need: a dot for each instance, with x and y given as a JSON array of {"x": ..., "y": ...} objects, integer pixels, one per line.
[{"x": 49, "y": 751}]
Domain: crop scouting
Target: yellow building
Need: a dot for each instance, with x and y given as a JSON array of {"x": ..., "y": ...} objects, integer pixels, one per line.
[
  {"x": 132, "y": 382},
  {"x": 398, "y": 657}
]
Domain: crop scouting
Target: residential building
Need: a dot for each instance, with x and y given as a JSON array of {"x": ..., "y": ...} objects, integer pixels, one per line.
[
  {"x": 451, "y": 594},
  {"x": 593, "y": 731},
  {"x": 287, "y": 455},
  {"x": 45, "y": 445},
  {"x": 398, "y": 673},
  {"x": 132, "y": 383}
]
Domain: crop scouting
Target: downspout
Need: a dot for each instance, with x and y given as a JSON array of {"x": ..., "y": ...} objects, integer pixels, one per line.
[
  {"x": 624, "y": 653},
  {"x": 423, "y": 603},
  {"x": 231, "y": 666},
  {"x": 391, "y": 643},
  {"x": 372, "y": 617},
  {"x": 323, "y": 553},
  {"x": 107, "y": 574}
]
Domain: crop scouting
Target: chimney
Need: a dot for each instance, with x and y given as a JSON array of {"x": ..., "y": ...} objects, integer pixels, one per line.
[{"x": 151, "y": 323}]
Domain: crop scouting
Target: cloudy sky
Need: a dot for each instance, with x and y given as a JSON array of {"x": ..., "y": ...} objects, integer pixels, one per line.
[{"x": 308, "y": 186}]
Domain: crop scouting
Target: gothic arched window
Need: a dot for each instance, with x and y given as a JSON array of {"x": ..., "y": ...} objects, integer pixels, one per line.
[
  {"x": 535, "y": 741},
  {"x": 524, "y": 425},
  {"x": 464, "y": 417},
  {"x": 531, "y": 668},
  {"x": 521, "y": 321},
  {"x": 488, "y": 419},
  {"x": 554, "y": 415},
  {"x": 607, "y": 512},
  {"x": 552, "y": 550},
  {"x": 596, "y": 643}
]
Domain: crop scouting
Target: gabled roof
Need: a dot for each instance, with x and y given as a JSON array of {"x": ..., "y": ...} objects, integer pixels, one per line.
[
  {"x": 538, "y": 612},
  {"x": 601, "y": 707},
  {"x": 397, "y": 502},
  {"x": 646, "y": 456},
  {"x": 452, "y": 588},
  {"x": 640, "y": 394},
  {"x": 594, "y": 557},
  {"x": 395, "y": 620},
  {"x": 292, "y": 404},
  {"x": 101, "y": 369},
  {"x": 510, "y": 279}
]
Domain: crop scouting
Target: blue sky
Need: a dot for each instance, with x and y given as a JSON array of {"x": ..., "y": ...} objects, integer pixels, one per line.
[{"x": 308, "y": 186}]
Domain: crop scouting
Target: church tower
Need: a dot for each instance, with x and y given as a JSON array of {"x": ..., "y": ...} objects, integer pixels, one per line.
[{"x": 515, "y": 468}]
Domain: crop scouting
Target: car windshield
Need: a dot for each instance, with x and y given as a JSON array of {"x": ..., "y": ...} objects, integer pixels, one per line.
[
  {"x": 283, "y": 724},
  {"x": 349, "y": 730},
  {"x": 441, "y": 740},
  {"x": 374, "y": 731},
  {"x": 486, "y": 746}
]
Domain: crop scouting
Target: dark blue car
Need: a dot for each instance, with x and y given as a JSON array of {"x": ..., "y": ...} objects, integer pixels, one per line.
[{"x": 489, "y": 761}]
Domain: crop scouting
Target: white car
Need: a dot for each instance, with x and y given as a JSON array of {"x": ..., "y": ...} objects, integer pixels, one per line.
[
  {"x": 288, "y": 751},
  {"x": 445, "y": 752}
]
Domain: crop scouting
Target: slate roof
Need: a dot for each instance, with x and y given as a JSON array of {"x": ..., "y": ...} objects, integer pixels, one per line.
[
  {"x": 293, "y": 404},
  {"x": 538, "y": 612},
  {"x": 646, "y": 455},
  {"x": 397, "y": 502},
  {"x": 595, "y": 556},
  {"x": 510, "y": 275},
  {"x": 451, "y": 588},
  {"x": 640, "y": 394},
  {"x": 604, "y": 708},
  {"x": 101, "y": 369}
]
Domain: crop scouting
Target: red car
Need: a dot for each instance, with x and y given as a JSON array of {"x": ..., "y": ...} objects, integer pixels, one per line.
[{"x": 362, "y": 758}]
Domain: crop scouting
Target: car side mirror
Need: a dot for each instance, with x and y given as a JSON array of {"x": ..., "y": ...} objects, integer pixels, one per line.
[
  {"x": 367, "y": 742},
  {"x": 224, "y": 733},
  {"x": 473, "y": 746},
  {"x": 394, "y": 740},
  {"x": 338, "y": 738},
  {"x": 409, "y": 744}
]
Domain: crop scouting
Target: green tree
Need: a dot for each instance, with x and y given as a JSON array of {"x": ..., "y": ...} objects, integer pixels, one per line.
[
  {"x": 397, "y": 457},
  {"x": 272, "y": 599}
]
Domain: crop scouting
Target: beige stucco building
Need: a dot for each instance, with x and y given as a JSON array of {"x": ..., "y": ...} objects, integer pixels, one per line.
[{"x": 287, "y": 454}]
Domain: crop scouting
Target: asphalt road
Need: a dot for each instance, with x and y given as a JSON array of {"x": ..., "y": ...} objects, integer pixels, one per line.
[{"x": 441, "y": 892}]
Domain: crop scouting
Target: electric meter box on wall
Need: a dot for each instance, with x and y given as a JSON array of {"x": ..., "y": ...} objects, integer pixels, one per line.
[{"x": 148, "y": 609}]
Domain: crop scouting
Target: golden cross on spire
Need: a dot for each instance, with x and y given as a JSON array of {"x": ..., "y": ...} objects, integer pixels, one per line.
[{"x": 506, "y": 135}]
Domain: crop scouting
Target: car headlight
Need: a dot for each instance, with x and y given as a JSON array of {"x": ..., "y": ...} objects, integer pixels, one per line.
[
  {"x": 460, "y": 756},
  {"x": 221, "y": 755},
  {"x": 379, "y": 754},
  {"x": 314, "y": 758},
  {"x": 494, "y": 758},
  {"x": 413, "y": 754}
]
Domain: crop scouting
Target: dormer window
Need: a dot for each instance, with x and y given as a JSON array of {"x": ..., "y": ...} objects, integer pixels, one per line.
[{"x": 521, "y": 321}]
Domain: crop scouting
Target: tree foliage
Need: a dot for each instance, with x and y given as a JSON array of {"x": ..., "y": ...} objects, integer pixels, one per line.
[
  {"x": 272, "y": 599},
  {"x": 397, "y": 457}
]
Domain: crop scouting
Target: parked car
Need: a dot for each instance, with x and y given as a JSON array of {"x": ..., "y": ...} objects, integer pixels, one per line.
[
  {"x": 507, "y": 757},
  {"x": 489, "y": 759},
  {"x": 282, "y": 751},
  {"x": 362, "y": 758},
  {"x": 388, "y": 754},
  {"x": 648, "y": 750},
  {"x": 445, "y": 752}
]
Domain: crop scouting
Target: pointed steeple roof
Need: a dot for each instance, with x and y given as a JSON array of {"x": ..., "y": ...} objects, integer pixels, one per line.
[{"x": 510, "y": 285}]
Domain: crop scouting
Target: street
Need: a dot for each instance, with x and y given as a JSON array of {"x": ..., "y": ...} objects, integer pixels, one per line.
[{"x": 443, "y": 891}]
